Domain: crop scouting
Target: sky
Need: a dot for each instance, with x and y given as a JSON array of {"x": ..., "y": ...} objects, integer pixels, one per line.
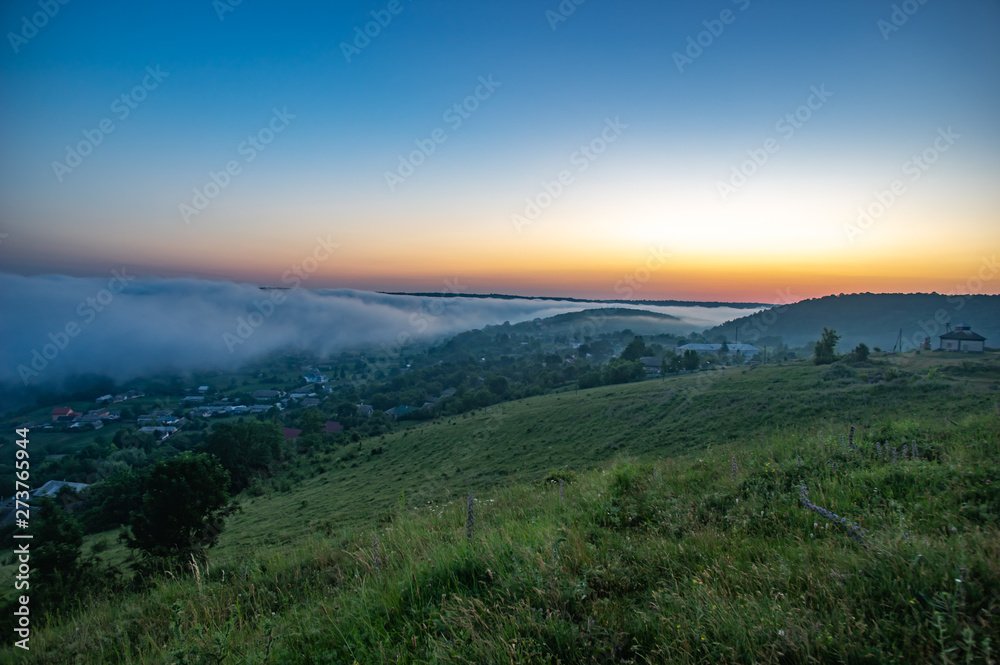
[{"x": 731, "y": 150}]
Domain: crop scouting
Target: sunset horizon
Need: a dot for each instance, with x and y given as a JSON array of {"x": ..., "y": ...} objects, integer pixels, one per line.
[{"x": 724, "y": 151}]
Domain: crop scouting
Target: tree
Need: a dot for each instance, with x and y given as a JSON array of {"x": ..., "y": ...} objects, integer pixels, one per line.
[
  {"x": 110, "y": 501},
  {"x": 183, "y": 509},
  {"x": 825, "y": 351},
  {"x": 59, "y": 537},
  {"x": 691, "y": 360},
  {"x": 498, "y": 385},
  {"x": 623, "y": 371},
  {"x": 860, "y": 353},
  {"x": 245, "y": 450},
  {"x": 724, "y": 352},
  {"x": 675, "y": 363},
  {"x": 312, "y": 421},
  {"x": 636, "y": 349}
]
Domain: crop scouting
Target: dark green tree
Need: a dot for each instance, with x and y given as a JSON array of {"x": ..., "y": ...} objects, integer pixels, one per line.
[
  {"x": 183, "y": 510},
  {"x": 860, "y": 353},
  {"x": 58, "y": 537},
  {"x": 245, "y": 450},
  {"x": 691, "y": 360},
  {"x": 623, "y": 371},
  {"x": 636, "y": 349},
  {"x": 673, "y": 362},
  {"x": 110, "y": 501},
  {"x": 825, "y": 351},
  {"x": 312, "y": 421},
  {"x": 498, "y": 385}
]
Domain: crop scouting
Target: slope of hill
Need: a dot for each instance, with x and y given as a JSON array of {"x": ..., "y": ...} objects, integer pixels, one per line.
[
  {"x": 873, "y": 318},
  {"x": 717, "y": 539}
]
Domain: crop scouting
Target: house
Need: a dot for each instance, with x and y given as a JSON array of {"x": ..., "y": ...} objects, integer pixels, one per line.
[
  {"x": 962, "y": 339},
  {"x": 365, "y": 410},
  {"x": 53, "y": 487},
  {"x": 447, "y": 393},
  {"x": 61, "y": 412},
  {"x": 93, "y": 421},
  {"x": 266, "y": 395},
  {"x": 191, "y": 399},
  {"x": 203, "y": 389},
  {"x": 161, "y": 432},
  {"x": 332, "y": 426},
  {"x": 315, "y": 377},
  {"x": 105, "y": 399},
  {"x": 130, "y": 394},
  {"x": 100, "y": 413},
  {"x": 401, "y": 410},
  {"x": 239, "y": 408},
  {"x": 260, "y": 408},
  {"x": 651, "y": 364},
  {"x": 309, "y": 402},
  {"x": 291, "y": 433}
]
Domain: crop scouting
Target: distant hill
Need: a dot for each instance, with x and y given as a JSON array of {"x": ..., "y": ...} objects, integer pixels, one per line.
[
  {"x": 658, "y": 303},
  {"x": 872, "y": 318},
  {"x": 608, "y": 319}
]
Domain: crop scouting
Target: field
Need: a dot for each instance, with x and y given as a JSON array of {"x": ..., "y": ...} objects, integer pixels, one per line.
[{"x": 688, "y": 519}]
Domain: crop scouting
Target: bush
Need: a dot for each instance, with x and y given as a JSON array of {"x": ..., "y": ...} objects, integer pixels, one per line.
[{"x": 838, "y": 371}]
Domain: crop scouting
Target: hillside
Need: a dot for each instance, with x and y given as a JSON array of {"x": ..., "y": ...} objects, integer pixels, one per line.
[
  {"x": 872, "y": 318},
  {"x": 691, "y": 539},
  {"x": 525, "y": 440}
]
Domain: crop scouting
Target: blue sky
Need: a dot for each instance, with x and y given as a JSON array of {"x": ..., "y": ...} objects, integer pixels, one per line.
[{"x": 657, "y": 184}]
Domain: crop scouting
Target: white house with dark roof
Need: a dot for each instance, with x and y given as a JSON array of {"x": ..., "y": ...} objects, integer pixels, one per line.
[{"x": 962, "y": 339}]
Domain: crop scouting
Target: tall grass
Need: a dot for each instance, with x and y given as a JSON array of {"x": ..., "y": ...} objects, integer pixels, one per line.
[{"x": 692, "y": 559}]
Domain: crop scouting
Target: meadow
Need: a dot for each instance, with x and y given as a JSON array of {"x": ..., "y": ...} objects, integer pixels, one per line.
[{"x": 774, "y": 514}]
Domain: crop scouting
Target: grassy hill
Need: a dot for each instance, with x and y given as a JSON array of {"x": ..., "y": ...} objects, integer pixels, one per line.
[
  {"x": 872, "y": 318},
  {"x": 680, "y": 533}
]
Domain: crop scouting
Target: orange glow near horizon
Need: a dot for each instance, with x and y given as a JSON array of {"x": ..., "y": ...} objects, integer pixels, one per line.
[{"x": 554, "y": 257}]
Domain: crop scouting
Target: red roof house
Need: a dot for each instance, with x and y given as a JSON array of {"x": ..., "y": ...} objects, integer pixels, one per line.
[
  {"x": 62, "y": 411},
  {"x": 331, "y": 426},
  {"x": 291, "y": 433}
]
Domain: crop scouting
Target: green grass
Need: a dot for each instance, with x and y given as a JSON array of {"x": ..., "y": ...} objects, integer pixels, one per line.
[{"x": 657, "y": 554}]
